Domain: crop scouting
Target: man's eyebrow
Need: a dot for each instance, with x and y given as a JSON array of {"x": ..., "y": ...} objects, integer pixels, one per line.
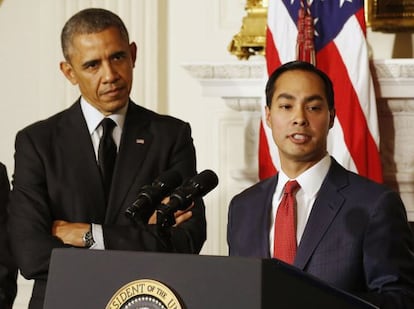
[
  {"x": 315, "y": 97},
  {"x": 88, "y": 63},
  {"x": 95, "y": 61},
  {"x": 284, "y": 95},
  {"x": 118, "y": 53}
]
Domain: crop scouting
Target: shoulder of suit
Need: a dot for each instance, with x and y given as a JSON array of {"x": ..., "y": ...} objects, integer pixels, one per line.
[
  {"x": 141, "y": 111},
  {"x": 51, "y": 122},
  {"x": 361, "y": 183},
  {"x": 264, "y": 186},
  {"x": 47, "y": 122}
]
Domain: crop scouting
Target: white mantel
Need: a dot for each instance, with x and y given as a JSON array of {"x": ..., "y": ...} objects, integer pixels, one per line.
[
  {"x": 241, "y": 85},
  {"x": 243, "y": 79}
]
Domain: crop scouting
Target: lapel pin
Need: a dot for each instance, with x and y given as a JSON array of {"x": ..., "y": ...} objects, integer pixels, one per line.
[{"x": 140, "y": 141}]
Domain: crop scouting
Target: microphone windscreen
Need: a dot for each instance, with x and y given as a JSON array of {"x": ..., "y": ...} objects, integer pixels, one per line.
[
  {"x": 169, "y": 180},
  {"x": 205, "y": 181}
]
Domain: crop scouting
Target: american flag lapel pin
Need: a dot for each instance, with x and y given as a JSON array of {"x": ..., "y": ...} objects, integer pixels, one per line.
[{"x": 140, "y": 141}]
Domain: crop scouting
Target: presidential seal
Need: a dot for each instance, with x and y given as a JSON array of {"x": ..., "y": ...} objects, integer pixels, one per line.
[{"x": 144, "y": 294}]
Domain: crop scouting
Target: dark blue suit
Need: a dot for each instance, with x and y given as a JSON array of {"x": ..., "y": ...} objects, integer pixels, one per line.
[{"x": 357, "y": 237}]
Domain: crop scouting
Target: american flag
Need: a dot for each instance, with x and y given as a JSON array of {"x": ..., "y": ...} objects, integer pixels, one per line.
[{"x": 342, "y": 53}]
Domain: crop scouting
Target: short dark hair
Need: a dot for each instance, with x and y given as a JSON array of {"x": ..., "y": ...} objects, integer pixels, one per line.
[
  {"x": 299, "y": 66},
  {"x": 91, "y": 20}
]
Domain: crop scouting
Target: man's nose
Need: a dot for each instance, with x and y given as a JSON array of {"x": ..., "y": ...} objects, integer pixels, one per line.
[
  {"x": 299, "y": 117},
  {"x": 110, "y": 74}
]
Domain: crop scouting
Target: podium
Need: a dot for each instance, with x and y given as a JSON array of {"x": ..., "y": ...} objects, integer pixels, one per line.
[{"x": 80, "y": 278}]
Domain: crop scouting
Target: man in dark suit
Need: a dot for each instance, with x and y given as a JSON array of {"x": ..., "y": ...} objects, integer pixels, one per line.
[
  {"x": 350, "y": 232},
  {"x": 8, "y": 269},
  {"x": 58, "y": 198}
]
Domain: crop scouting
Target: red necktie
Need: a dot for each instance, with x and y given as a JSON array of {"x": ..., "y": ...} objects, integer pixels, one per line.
[{"x": 285, "y": 225}]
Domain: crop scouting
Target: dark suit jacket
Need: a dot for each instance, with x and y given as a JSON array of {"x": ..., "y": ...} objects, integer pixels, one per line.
[
  {"x": 357, "y": 237},
  {"x": 8, "y": 269},
  {"x": 56, "y": 177}
]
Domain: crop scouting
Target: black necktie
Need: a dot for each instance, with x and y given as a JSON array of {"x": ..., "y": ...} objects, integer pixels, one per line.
[{"x": 107, "y": 153}]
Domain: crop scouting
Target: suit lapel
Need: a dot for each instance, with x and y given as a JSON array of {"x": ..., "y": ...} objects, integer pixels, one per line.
[
  {"x": 81, "y": 159},
  {"x": 264, "y": 216},
  {"x": 135, "y": 142},
  {"x": 327, "y": 204}
]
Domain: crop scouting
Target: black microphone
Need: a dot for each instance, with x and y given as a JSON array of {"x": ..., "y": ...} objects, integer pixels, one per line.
[
  {"x": 150, "y": 196},
  {"x": 183, "y": 196}
]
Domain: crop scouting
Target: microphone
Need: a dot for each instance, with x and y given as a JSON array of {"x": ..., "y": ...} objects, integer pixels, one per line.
[
  {"x": 183, "y": 196},
  {"x": 150, "y": 196}
]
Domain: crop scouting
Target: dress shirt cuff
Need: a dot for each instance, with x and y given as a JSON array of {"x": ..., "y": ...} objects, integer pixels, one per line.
[{"x": 97, "y": 234}]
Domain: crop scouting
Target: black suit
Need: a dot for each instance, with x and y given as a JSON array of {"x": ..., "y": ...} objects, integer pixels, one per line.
[
  {"x": 357, "y": 237},
  {"x": 8, "y": 269},
  {"x": 57, "y": 178}
]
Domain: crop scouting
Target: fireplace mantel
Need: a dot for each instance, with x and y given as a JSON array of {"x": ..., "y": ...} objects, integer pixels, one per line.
[
  {"x": 246, "y": 79},
  {"x": 241, "y": 86}
]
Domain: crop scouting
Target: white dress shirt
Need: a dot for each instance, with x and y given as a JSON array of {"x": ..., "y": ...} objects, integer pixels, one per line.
[
  {"x": 310, "y": 182},
  {"x": 93, "y": 119}
]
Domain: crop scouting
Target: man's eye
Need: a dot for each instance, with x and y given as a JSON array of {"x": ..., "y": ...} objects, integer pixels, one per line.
[
  {"x": 91, "y": 65},
  {"x": 118, "y": 56},
  {"x": 285, "y": 106}
]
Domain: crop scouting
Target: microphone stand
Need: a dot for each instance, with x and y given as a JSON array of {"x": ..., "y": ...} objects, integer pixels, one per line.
[
  {"x": 165, "y": 220},
  {"x": 162, "y": 231}
]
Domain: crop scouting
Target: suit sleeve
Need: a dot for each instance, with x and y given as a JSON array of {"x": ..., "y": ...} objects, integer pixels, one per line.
[
  {"x": 8, "y": 269},
  {"x": 189, "y": 236},
  {"x": 388, "y": 255},
  {"x": 30, "y": 219}
]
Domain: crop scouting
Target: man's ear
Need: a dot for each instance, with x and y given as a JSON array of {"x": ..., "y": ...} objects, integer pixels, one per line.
[
  {"x": 331, "y": 117},
  {"x": 67, "y": 70},
  {"x": 133, "y": 51},
  {"x": 267, "y": 113}
]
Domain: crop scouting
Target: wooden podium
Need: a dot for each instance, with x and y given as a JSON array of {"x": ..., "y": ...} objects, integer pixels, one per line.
[{"x": 80, "y": 278}]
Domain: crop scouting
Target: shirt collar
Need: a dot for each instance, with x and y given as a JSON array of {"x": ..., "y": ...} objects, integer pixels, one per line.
[
  {"x": 93, "y": 117},
  {"x": 310, "y": 181}
]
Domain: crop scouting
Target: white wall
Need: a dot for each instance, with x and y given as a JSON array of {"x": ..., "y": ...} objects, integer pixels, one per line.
[{"x": 169, "y": 34}]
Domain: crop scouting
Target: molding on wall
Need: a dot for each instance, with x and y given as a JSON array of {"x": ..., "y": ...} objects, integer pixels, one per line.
[
  {"x": 395, "y": 77},
  {"x": 241, "y": 80}
]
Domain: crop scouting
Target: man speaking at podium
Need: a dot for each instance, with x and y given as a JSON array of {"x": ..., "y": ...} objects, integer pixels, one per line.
[
  {"x": 336, "y": 225},
  {"x": 77, "y": 172}
]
